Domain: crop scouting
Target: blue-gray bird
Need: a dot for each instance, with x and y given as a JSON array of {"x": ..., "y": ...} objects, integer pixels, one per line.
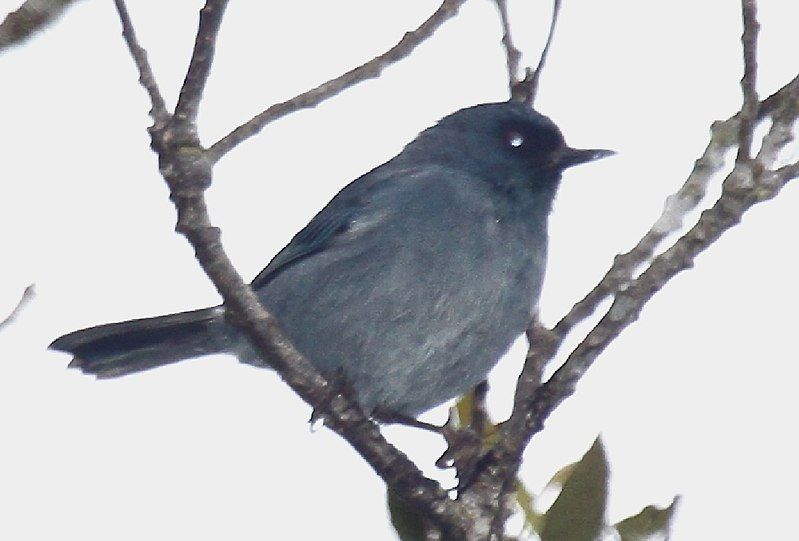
[{"x": 410, "y": 284}]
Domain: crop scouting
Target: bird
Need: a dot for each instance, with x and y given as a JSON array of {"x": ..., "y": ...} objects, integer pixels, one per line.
[{"x": 410, "y": 284}]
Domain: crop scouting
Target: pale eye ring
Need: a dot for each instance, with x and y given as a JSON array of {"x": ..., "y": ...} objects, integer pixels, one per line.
[{"x": 514, "y": 139}]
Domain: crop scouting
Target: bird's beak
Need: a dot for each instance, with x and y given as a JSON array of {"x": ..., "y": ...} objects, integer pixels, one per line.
[{"x": 567, "y": 156}]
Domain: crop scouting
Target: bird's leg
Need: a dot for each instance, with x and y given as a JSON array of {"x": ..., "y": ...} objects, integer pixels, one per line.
[
  {"x": 479, "y": 421},
  {"x": 386, "y": 417},
  {"x": 464, "y": 443},
  {"x": 464, "y": 450},
  {"x": 466, "y": 439}
]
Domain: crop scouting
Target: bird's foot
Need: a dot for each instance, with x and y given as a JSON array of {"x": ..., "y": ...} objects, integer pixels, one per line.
[{"x": 464, "y": 451}]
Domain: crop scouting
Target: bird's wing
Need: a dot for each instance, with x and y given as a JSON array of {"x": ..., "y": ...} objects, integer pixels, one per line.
[{"x": 335, "y": 220}]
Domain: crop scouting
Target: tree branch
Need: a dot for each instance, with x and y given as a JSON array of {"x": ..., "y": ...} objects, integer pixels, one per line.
[
  {"x": 736, "y": 199},
  {"x": 26, "y": 297},
  {"x": 187, "y": 169},
  {"x": 482, "y": 507},
  {"x": 201, "y": 58},
  {"x": 158, "y": 110},
  {"x": 530, "y": 83},
  {"x": 31, "y": 17},
  {"x": 512, "y": 53},
  {"x": 313, "y": 97},
  {"x": 526, "y": 89},
  {"x": 723, "y": 137},
  {"x": 781, "y": 131},
  {"x": 746, "y": 185},
  {"x": 749, "y": 80}
]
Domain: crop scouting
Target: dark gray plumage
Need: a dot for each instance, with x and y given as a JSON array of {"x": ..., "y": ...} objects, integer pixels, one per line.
[{"x": 410, "y": 284}]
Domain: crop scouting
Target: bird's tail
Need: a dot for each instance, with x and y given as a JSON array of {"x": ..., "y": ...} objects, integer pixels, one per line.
[{"x": 117, "y": 349}]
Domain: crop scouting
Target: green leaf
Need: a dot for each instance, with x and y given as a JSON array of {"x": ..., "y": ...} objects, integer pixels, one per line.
[
  {"x": 533, "y": 520},
  {"x": 579, "y": 510},
  {"x": 408, "y": 524},
  {"x": 650, "y": 521},
  {"x": 561, "y": 476}
]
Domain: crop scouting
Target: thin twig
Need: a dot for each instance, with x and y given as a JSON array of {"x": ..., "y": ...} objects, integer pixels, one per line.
[
  {"x": 749, "y": 80},
  {"x": 146, "y": 77},
  {"x": 723, "y": 137},
  {"x": 779, "y": 178},
  {"x": 31, "y": 17},
  {"x": 676, "y": 207},
  {"x": 313, "y": 97},
  {"x": 525, "y": 89},
  {"x": 723, "y": 215},
  {"x": 781, "y": 131},
  {"x": 512, "y": 53},
  {"x": 480, "y": 418},
  {"x": 535, "y": 401},
  {"x": 27, "y": 295},
  {"x": 202, "y": 57},
  {"x": 532, "y": 78}
]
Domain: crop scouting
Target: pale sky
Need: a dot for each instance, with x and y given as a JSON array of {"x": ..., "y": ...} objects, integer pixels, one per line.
[{"x": 696, "y": 398}]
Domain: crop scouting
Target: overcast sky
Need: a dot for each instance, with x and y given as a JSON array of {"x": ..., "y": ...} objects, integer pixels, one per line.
[{"x": 696, "y": 398}]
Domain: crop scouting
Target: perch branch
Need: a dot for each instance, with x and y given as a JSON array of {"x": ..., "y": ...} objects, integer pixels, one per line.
[
  {"x": 746, "y": 185},
  {"x": 187, "y": 169}
]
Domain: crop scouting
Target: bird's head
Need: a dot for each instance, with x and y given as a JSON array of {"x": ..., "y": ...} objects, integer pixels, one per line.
[{"x": 506, "y": 143}]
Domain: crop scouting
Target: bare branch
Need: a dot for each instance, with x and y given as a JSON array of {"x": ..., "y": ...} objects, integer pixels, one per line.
[
  {"x": 201, "y": 59},
  {"x": 27, "y": 295},
  {"x": 779, "y": 178},
  {"x": 531, "y": 79},
  {"x": 479, "y": 510},
  {"x": 723, "y": 215},
  {"x": 781, "y": 131},
  {"x": 31, "y": 17},
  {"x": 187, "y": 173},
  {"x": 746, "y": 185},
  {"x": 723, "y": 137},
  {"x": 315, "y": 96},
  {"x": 146, "y": 78},
  {"x": 543, "y": 344},
  {"x": 676, "y": 207},
  {"x": 749, "y": 79},
  {"x": 511, "y": 52},
  {"x": 526, "y": 89},
  {"x": 187, "y": 169},
  {"x": 736, "y": 199}
]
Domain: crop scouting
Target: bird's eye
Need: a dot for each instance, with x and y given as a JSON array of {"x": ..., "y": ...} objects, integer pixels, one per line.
[{"x": 514, "y": 139}]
